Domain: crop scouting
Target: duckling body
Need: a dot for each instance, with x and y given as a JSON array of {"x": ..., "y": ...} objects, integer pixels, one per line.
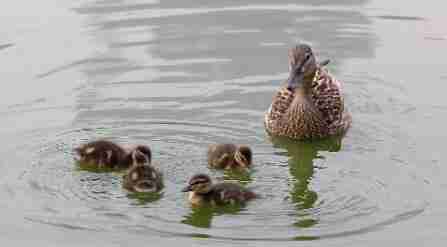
[
  {"x": 101, "y": 153},
  {"x": 229, "y": 156},
  {"x": 143, "y": 178},
  {"x": 107, "y": 154},
  {"x": 311, "y": 104},
  {"x": 201, "y": 190}
]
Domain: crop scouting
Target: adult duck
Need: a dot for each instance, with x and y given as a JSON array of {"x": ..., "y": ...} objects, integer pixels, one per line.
[{"x": 310, "y": 105}]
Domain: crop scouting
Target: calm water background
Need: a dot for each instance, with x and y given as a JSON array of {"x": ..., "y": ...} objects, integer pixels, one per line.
[{"x": 179, "y": 75}]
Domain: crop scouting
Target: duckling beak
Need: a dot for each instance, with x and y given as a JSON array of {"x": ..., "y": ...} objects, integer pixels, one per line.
[{"x": 187, "y": 188}]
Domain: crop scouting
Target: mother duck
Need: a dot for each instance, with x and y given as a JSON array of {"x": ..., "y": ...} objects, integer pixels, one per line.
[{"x": 310, "y": 105}]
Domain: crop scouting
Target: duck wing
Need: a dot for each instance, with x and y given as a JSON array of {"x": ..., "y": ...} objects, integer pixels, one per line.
[
  {"x": 327, "y": 96},
  {"x": 280, "y": 105}
]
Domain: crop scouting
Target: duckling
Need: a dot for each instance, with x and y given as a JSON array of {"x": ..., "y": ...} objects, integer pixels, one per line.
[
  {"x": 201, "y": 190},
  {"x": 311, "y": 104},
  {"x": 106, "y": 154},
  {"x": 142, "y": 176},
  {"x": 132, "y": 158},
  {"x": 228, "y": 156}
]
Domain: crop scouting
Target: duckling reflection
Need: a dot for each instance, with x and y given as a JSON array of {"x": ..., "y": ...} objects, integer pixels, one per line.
[
  {"x": 301, "y": 167},
  {"x": 241, "y": 176},
  {"x": 141, "y": 198},
  {"x": 202, "y": 216}
]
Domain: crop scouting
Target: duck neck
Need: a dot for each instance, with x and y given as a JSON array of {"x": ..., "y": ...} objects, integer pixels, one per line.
[
  {"x": 303, "y": 96},
  {"x": 302, "y": 103},
  {"x": 303, "y": 113},
  {"x": 304, "y": 93}
]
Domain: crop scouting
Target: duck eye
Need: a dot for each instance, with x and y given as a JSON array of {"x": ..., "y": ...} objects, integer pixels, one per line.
[{"x": 307, "y": 56}]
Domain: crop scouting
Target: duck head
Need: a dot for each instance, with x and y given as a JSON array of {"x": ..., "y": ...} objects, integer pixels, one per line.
[
  {"x": 302, "y": 67},
  {"x": 200, "y": 183}
]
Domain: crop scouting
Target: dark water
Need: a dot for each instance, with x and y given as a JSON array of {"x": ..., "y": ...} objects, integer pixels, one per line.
[{"x": 179, "y": 75}]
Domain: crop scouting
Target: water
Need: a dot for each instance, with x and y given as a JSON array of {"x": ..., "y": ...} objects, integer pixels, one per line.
[{"x": 179, "y": 75}]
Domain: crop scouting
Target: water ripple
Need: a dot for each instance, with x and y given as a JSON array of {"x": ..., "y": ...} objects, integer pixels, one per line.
[{"x": 181, "y": 76}]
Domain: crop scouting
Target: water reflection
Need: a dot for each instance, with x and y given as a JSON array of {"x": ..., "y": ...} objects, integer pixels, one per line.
[
  {"x": 144, "y": 198},
  {"x": 243, "y": 177},
  {"x": 215, "y": 50},
  {"x": 301, "y": 167},
  {"x": 256, "y": 45},
  {"x": 202, "y": 216}
]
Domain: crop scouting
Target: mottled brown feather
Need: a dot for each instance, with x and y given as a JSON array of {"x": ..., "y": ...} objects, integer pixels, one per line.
[{"x": 308, "y": 115}]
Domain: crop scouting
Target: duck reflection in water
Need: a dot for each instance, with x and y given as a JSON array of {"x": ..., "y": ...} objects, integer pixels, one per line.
[{"x": 301, "y": 166}]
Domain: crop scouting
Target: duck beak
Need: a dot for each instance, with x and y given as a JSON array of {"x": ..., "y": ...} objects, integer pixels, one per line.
[
  {"x": 187, "y": 188},
  {"x": 295, "y": 79},
  {"x": 324, "y": 62},
  {"x": 296, "y": 76}
]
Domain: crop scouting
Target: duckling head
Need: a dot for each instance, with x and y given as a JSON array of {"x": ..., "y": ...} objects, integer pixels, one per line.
[
  {"x": 144, "y": 179},
  {"x": 302, "y": 67},
  {"x": 243, "y": 156},
  {"x": 199, "y": 183},
  {"x": 146, "y": 151},
  {"x": 139, "y": 158}
]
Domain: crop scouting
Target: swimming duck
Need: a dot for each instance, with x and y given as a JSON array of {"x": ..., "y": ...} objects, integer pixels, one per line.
[
  {"x": 201, "y": 190},
  {"x": 107, "y": 154},
  {"x": 228, "y": 156},
  {"x": 311, "y": 104},
  {"x": 142, "y": 176}
]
